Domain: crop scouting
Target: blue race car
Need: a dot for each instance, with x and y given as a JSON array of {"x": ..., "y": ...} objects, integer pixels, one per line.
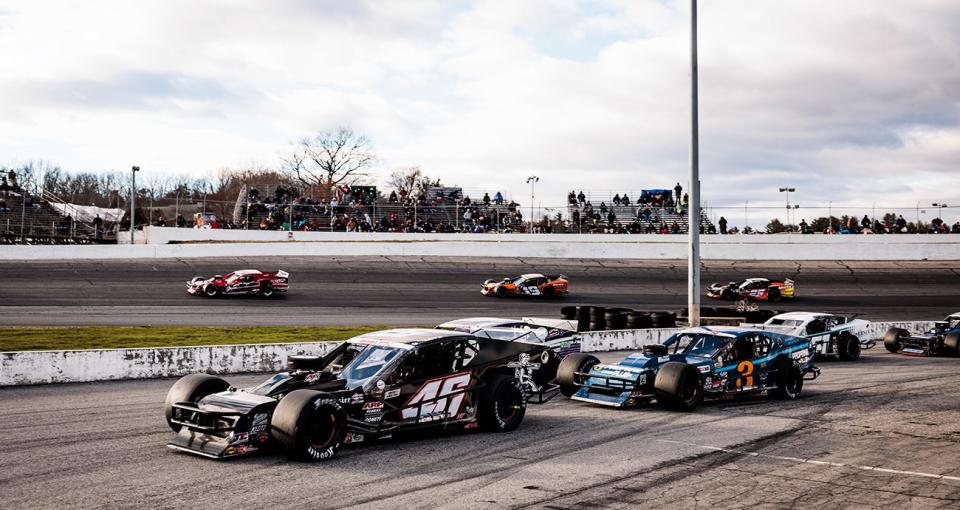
[
  {"x": 942, "y": 340},
  {"x": 692, "y": 365}
]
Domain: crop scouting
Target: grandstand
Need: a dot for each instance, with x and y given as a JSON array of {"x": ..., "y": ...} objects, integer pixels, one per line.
[{"x": 28, "y": 219}]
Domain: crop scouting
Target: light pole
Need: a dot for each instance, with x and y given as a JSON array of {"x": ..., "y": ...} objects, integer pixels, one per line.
[
  {"x": 532, "y": 181},
  {"x": 788, "y": 191},
  {"x": 693, "y": 252},
  {"x": 133, "y": 200},
  {"x": 940, "y": 206}
]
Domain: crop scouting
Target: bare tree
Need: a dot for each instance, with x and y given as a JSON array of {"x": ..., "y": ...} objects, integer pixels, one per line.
[
  {"x": 405, "y": 180},
  {"x": 331, "y": 158}
]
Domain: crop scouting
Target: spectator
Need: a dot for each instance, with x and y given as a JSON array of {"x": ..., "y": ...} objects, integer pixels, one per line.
[
  {"x": 901, "y": 224},
  {"x": 498, "y": 198},
  {"x": 616, "y": 199},
  {"x": 678, "y": 189},
  {"x": 486, "y": 199},
  {"x": 572, "y": 198},
  {"x": 723, "y": 225},
  {"x": 956, "y": 228},
  {"x": 611, "y": 218},
  {"x": 393, "y": 197},
  {"x": 865, "y": 222},
  {"x": 12, "y": 179},
  {"x": 4, "y": 187},
  {"x": 161, "y": 222},
  {"x": 674, "y": 228},
  {"x": 581, "y": 198},
  {"x": 803, "y": 226},
  {"x": 603, "y": 208},
  {"x": 878, "y": 227},
  {"x": 625, "y": 200},
  {"x": 576, "y": 217},
  {"x": 181, "y": 221}
]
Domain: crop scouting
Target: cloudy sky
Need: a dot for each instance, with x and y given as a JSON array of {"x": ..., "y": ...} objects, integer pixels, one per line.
[{"x": 852, "y": 101}]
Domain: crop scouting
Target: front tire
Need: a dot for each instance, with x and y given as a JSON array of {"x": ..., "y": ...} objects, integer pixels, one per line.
[
  {"x": 678, "y": 386},
  {"x": 309, "y": 425},
  {"x": 951, "y": 343},
  {"x": 848, "y": 347},
  {"x": 569, "y": 366},
  {"x": 502, "y": 404},
  {"x": 892, "y": 341},
  {"x": 191, "y": 388},
  {"x": 211, "y": 290}
]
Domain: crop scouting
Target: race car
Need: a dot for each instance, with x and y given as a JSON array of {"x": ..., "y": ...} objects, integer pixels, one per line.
[
  {"x": 693, "y": 365},
  {"x": 754, "y": 289},
  {"x": 368, "y": 387},
  {"x": 533, "y": 284},
  {"x": 831, "y": 335},
  {"x": 941, "y": 340},
  {"x": 559, "y": 335},
  {"x": 245, "y": 281}
]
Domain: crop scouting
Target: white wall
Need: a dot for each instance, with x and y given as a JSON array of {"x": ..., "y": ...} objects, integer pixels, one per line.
[
  {"x": 46, "y": 367},
  {"x": 240, "y": 243}
]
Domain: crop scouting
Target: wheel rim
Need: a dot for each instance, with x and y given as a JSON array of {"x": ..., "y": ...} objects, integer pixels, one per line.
[
  {"x": 323, "y": 431},
  {"x": 688, "y": 390},
  {"x": 211, "y": 291},
  {"x": 793, "y": 384},
  {"x": 508, "y": 404}
]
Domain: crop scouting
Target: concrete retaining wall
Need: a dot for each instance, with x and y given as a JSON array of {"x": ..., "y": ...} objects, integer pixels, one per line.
[
  {"x": 241, "y": 243},
  {"x": 46, "y": 367}
]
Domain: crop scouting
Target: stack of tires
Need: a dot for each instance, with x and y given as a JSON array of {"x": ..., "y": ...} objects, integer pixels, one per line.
[
  {"x": 639, "y": 320},
  {"x": 664, "y": 319},
  {"x": 599, "y": 318}
]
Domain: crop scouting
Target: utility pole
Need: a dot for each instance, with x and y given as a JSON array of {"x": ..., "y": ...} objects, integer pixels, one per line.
[
  {"x": 133, "y": 201},
  {"x": 693, "y": 269},
  {"x": 532, "y": 181}
]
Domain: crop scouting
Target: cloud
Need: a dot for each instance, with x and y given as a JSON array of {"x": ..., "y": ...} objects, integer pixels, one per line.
[{"x": 853, "y": 101}]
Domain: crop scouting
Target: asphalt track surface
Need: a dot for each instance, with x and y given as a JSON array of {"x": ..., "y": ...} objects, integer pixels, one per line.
[
  {"x": 416, "y": 291},
  {"x": 879, "y": 433}
]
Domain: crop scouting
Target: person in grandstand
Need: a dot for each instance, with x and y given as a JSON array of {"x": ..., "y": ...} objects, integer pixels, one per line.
[{"x": 678, "y": 189}]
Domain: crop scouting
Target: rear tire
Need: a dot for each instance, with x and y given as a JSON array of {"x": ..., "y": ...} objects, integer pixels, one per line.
[
  {"x": 678, "y": 386},
  {"x": 892, "y": 340},
  {"x": 789, "y": 381},
  {"x": 951, "y": 343},
  {"x": 848, "y": 347},
  {"x": 309, "y": 425},
  {"x": 549, "y": 292},
  {"x": 502, "y": 404},
  {"x": 569, "y": 366},
  {"x": 191, "y": 388},
  {"x": 774, "y": 295},
  {"x": 267, "y": 290}
]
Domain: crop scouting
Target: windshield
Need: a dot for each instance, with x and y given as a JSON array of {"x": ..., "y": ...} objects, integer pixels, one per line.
[
  {"x": 514, "y": 334},
  {"x": 697, "y": 344},
  {"x": 953, "y": 322},
  {"x": 365, "y": 361},
  {"x": 784, "y": 322}
]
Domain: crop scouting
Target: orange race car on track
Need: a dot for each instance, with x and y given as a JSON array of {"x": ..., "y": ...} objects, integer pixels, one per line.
[{"x": 533, "y": 284}]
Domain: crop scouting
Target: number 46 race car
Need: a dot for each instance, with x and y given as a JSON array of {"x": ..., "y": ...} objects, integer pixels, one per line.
[
  {"x": 367, "y": 388},
  {"x": 942, "y": 340},
  {"x": 246, "y": 281},
  {"x": 692, "y": 365}
]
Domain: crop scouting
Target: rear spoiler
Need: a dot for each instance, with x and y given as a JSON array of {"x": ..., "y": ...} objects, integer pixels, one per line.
[{"x": 282, "y": 274}]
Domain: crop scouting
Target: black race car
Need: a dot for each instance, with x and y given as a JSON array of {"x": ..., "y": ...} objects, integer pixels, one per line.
[
  {"x": 368, "y": 387},
  {"x": 942, "y": 340}
]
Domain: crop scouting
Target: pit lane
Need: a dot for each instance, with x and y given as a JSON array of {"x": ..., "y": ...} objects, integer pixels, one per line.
[
  {"x": 874, "y": 433},
  {"x": 378, "y": 290}
]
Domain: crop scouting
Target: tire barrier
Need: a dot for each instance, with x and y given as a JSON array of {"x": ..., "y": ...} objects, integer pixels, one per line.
[{"x": 599, "y": 318}]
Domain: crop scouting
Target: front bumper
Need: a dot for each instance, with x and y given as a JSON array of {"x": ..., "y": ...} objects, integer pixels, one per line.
[{"x": 218, "y": 434}]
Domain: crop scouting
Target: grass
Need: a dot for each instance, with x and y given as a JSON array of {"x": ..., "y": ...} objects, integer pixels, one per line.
[{"x": 110, "y": 337}]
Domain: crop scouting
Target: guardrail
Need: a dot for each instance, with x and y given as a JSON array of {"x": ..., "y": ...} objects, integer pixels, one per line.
[{"x": 47, "y": 367}]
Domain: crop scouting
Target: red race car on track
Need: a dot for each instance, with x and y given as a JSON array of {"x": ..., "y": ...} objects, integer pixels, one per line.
[{"x": 246, "y": 282}]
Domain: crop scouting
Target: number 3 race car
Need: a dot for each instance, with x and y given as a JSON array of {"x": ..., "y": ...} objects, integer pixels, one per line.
[
  {"x": 942, "y": 340},
  {"x": 831, "y": 335},
  {"x": 534, "y": 284},
  {"x": 754, "y": 289},
  {"x": 692, "y": 365},
  {"x": 246, "y": 281},
  {"x": 368, "y": 387}
]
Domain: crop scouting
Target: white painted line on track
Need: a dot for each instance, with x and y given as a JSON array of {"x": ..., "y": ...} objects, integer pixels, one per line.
[{"x": 817, "y": 462}]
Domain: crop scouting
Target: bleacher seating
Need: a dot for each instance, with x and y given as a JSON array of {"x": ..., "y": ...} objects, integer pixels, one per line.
[{"x": 30, "y": 220}]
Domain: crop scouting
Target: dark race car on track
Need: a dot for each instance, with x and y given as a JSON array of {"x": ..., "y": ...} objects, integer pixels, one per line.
[
  {"x": 560, "y": 336},
  {"x": 533, "y": 284},
  {"x": 243, "y": 282},
  {"x": 754, "y": 289},
  {"x": 693, "y": 365},
  {"x": 369, "y": 387},
  {"x": 942, "y": 340}
]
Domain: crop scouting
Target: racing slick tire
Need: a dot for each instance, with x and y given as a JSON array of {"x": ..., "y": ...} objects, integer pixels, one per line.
[
  {"x": 664, "y": 319},
  {"x": 309, "y": 425},
  {"x": 267, "y": 290},
  {"x": 892, "y": 340},
  {"x": 789, "y": 380},
  {"x": 211, "y": 290},
  {"x": 500, "y": 291},
  {"x": 191, "y": 388},
  {"x": 569, "y": 366},
  {"x": 951, "y": 344},
  {"x": 848, "y": 347},
  {"x": 549, "y": 292},
  {"x": 678, "y": 386},
  {"x": 774, "y": 295},
  {"x": 502, "y": 404},
  {"x": 568, "y": 313}
]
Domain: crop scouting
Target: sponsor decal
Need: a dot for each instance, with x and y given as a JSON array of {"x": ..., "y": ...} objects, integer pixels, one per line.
[
  {"x": 471, "y": 425},
  {"x": 313, "y": 377},
  {"x": 259, "y": 423},
  {"x": 663, "y": 359},
  {"x": 323, "y": 401},
  {"x": 372, "y": 405},
  {"x": 353, "y": 438},
  {"x": 263, "y": 437},
  {"x": 242, "y": 437},
  {"x": 437, "y": 398},
  {"x": 230, "y": 450},
  {"x": 704, "y": 369},
  {"x": 392, "y": 393},
  {"x": 356, "y": 398}
]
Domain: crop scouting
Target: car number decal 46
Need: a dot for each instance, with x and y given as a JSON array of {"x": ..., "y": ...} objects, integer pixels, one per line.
[{"x": 437, "y": 398}]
